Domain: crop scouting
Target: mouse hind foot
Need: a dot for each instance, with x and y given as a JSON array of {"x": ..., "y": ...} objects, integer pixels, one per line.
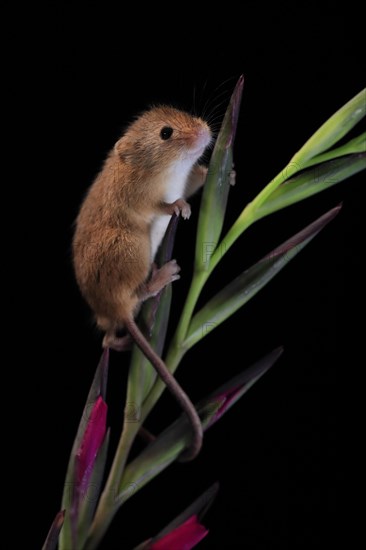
[
  {"x": 159, "y": 279},
  {"x": 118, "y": 343}
]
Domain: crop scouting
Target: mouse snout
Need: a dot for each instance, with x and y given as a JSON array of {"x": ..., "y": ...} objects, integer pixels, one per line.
[{"x": 202, "y": 138}]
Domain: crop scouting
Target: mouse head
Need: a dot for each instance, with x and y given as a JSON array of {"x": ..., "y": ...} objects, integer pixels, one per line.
[{"x": 163, "y": 136}]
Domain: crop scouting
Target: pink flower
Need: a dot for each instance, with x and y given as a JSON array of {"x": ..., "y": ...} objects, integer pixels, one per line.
[
  {"x": 184, "y": 537},
  {"x": 217, "y": 404},
  {"x": 225, "y": 401},
  {"x": 90, "y": 444}
]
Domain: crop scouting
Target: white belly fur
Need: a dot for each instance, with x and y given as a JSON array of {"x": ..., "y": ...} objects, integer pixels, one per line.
[{"x": 175, "y": 187}]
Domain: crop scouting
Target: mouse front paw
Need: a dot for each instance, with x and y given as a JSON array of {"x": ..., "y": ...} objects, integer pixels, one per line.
[
  {"x": 232, "y": 177},
  {"x": 181, "y": 207}
]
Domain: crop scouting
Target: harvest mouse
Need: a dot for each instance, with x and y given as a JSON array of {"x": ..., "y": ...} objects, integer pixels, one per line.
[{"x": 121, "y": 223}]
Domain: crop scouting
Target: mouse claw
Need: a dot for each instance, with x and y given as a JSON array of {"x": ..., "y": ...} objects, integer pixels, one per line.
[
  {"x": 181, "y": 207},
  {"x": 232, "y": 178},
  {"x": 186, "y": 212}
]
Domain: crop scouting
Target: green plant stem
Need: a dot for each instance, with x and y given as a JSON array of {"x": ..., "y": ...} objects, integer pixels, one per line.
[
  {"x": 284, "y": 175},
  {"x": 198, "y": 282},
  {"x": 347, "y": 149},
  {"x": 107, "y": 507},
  {"x": 177, "y": 349},
  {"x": 244, "y": 221}
]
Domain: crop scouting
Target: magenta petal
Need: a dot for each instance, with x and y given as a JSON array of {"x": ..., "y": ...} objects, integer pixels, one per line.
[
  {"x": 217, "y": 404},
  {"x": 227, "y": 398},
  {"x": 90, "y": 444},
  {"x": 184, "y": 537},
  {"x": 85, "y": 458}
]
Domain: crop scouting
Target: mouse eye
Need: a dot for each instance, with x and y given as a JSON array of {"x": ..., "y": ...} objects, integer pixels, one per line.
[{"x": 166, "y": 132}]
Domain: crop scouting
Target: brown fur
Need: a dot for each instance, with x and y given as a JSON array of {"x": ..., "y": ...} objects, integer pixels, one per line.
[{"x": 111, "y": 248}]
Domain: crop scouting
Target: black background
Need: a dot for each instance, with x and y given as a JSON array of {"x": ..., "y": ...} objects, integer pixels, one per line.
[{"x": 276, "y": 453}]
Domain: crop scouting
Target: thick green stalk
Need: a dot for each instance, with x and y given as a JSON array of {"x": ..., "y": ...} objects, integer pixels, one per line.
[
  {"x": 288, "y": 172},
  {"x": 198, "y": 282},
  {"x": 107, "y": 506}
]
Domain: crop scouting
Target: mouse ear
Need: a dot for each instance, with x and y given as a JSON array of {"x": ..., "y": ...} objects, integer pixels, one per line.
[
  {"x": 119, "y": 147},
  {"x": 124, "y": 148}
]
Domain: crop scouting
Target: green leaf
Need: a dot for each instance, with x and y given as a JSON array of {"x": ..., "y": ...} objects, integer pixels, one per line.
[
  {"x": 312, "y": 181},
  {"x": 233, "y": 390},
  {"x": 355, "y": 145},
  {"x": 155, "y": 458},
  {"x": 313, "y": 152},
  {"x": 97, "y": 388},
  {"x": 169, "y": 444},
  {"x": 216, "y": 188},
  {"x": 251, "y": 281},
  {"x": 332, "y": 130},
  {"x": 53, "y": 534}
]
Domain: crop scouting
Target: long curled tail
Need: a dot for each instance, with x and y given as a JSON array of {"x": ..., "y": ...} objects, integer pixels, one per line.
[{"x": 172, "y": 386}]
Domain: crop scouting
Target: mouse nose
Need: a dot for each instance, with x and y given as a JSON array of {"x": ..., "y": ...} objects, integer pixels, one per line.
[{"x": 204, "y": 137}]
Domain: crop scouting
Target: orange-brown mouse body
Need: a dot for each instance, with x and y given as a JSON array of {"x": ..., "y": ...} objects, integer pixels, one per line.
[{"x": 121, "y": 223}]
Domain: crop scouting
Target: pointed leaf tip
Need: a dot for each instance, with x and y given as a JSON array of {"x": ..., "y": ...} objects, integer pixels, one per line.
[
  {"x": 229, "y": 393},
  {"x": 320, "y": 223},
  {"x": 278, "y": 351},
  {"x": 306, "y": 233},
  {"x": 337, "y": 126},
  {"x": 217, "y": 184},
  {"x": 235, "y": 102},
  {"x": 237, "y": 293},
  {"x": 53, "y": 534}
]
